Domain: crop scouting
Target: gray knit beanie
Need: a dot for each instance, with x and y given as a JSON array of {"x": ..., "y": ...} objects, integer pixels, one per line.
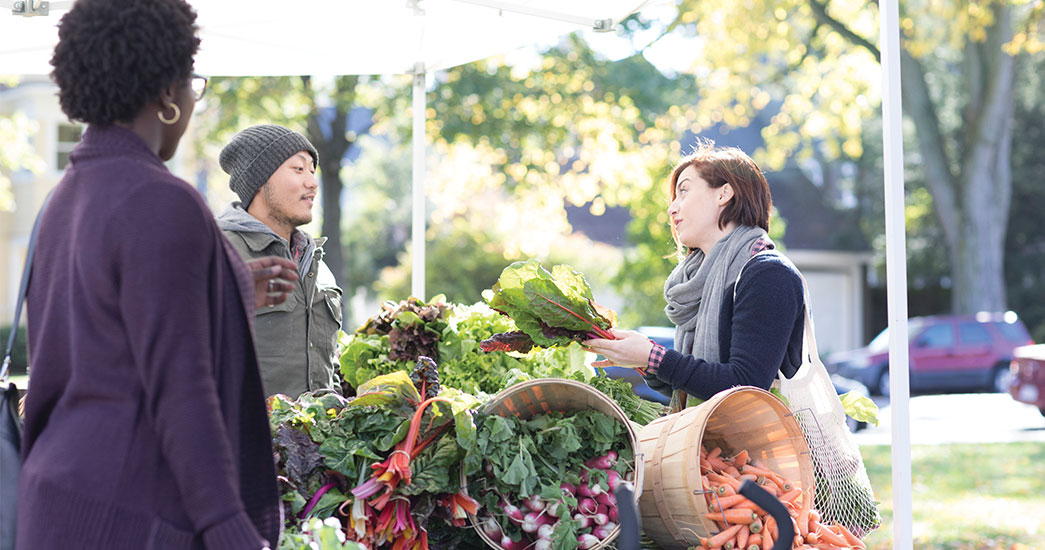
[{"x": 255, "y": 153}]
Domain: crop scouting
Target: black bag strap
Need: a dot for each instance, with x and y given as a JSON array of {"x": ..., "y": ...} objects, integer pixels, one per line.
[{"x": 23, "y": 287}]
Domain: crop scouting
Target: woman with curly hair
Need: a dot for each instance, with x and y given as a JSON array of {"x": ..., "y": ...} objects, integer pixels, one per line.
[{"x": 145, "y": 422}]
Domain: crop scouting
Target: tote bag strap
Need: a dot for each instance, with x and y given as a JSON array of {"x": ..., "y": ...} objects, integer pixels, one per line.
[{"x": 23, "y": 287}]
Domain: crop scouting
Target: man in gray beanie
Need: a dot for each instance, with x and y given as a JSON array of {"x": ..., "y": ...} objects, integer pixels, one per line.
[{"x": 273, "y": 171}]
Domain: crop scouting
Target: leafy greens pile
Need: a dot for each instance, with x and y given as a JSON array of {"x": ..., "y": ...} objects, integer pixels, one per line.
[
  {"x": 549, "y": 308},
  {"x": 457, "y": 331},
  {"x": 393, "y": 339},
  {"x": 388, "y": 462}
]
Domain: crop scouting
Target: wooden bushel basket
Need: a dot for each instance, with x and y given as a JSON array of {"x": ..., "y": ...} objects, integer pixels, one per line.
[
  {"x": 545, "y": 395},
  {"x": 672, "y": 504}
]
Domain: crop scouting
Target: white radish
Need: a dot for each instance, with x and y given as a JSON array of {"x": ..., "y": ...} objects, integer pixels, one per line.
[
  {"x": 491, "y": 528},
  {"x": 587, "y": 506},
  {"x": 583, "y": 521},
  {"x": 508, "y": 544},
  {"x": 587, "y": 541},
  {"x": 533, "y": 521},
  {"x": 513, "y": 512},
  {"x": 534, "y": 503},
  {"x": 553, "y": 508},
  {"x": 603, "y": 531}
]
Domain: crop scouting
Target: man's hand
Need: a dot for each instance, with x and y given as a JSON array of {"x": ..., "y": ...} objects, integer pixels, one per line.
[
  {"x": 629, "y": 349},
  {"x": 274, "y": 280}
]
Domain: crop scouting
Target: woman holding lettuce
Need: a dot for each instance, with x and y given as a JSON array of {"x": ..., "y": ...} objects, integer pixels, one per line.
[{"x": 737, "y": 303}]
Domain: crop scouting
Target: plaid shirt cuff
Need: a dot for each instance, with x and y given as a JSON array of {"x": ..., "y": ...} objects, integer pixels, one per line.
[{"x": 656, "y": 355}]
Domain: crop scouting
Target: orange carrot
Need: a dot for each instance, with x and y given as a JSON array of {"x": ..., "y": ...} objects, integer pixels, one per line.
[
  {"x": 750, "y": 506},
  {"x": 812, "y": 538},
  {"x": 724, "y": 480},
  {"x": 742, "y": 535},
  {"x": 754, "y": 539},
  {"x": 726, "y": 535},
  {"x": 767, "y": 541},
  {"x": 733, "y": 515},
  {"x": 723, "y": 503},
  {"x": 852, "y": 539},
  {"x": 830, "y": 536},
  {"x": 803, "y": 516},
  {"x": 740, "y": 459},
  {"x": 714, "y": 452},
  {"x": 752, "y": 477},
  {"x": 790, "y": 496},
  {"x": 718, "y": 464},
  {"x": 771, "y": 528},
  {"x": 769, "y": 474}
]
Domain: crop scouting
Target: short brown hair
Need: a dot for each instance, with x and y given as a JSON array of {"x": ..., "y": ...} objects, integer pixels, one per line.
[{"x": 718, "y": 166}]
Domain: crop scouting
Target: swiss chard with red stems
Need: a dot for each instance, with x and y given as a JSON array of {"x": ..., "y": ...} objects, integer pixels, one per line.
[{"x": 552, "y": 308}]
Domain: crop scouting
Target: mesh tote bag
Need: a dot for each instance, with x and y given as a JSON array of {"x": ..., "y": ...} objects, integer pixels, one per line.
[{"x": 843, "y": 491}]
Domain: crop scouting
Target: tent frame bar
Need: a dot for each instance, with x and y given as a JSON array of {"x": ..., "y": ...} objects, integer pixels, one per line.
[{"x": 601, "y": 25}]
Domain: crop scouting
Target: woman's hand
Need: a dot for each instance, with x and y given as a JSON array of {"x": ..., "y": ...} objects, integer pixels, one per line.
[
  {"x": 274, "y": 280},
  {"x": 630, "y": 349}
]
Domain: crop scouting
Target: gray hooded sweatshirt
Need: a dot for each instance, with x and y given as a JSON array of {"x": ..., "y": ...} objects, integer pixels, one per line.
[{"x": 296, "y": 340}]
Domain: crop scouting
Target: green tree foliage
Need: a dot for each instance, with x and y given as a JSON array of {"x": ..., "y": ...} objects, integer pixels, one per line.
[
  {"x": 1025, "y": 241},
  {"x": 818, "y": 59},
  {"x": 572, "y": 129},
  {"x": 17, "y": 151}
]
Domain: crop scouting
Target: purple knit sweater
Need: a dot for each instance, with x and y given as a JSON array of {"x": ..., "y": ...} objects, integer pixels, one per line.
[{"x": 145, "y": 421}]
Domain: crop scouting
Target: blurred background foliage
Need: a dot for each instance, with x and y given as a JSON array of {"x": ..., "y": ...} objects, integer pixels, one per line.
[{"x": 519, "y": 146}]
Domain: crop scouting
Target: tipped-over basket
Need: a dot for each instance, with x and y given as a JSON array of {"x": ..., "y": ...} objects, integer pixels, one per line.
[
  {"x": 672, "y": 504},
  {"x": 545, "y": 395}
]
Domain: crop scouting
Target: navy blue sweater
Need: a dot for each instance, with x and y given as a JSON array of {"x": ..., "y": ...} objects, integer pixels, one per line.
[{"x": 759, "y": 335}]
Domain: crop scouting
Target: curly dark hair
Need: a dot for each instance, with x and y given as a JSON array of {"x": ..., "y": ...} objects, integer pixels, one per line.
[{"x": 115, "y": 56}]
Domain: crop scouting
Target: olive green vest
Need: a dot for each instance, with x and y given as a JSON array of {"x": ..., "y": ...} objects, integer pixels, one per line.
[{"x": 297, "y": 340}]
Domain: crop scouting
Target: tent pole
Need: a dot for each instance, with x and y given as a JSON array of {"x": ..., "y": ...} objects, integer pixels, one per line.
[
  {"x": 417, "y": 283},
  {"x": 896, "y": 274}
]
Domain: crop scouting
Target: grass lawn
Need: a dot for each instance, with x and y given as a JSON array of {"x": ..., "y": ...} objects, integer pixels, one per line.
[{"x": 966, "y": 496}]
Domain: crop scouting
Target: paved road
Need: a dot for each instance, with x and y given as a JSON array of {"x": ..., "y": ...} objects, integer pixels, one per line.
[{"x": 960, "y": 418}]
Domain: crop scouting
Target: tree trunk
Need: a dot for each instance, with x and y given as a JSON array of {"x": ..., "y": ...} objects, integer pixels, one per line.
[
  {"x": 331, "y": 140},
  {"x": 986, "y": 179},
  {"x": 972, "y": 205}
]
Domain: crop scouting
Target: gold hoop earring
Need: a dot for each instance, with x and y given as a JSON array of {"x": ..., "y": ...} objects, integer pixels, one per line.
[{"x": 172, "y": 120}]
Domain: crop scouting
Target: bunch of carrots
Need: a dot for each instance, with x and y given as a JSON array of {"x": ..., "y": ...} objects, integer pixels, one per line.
[{"x": 746, "y": 526}]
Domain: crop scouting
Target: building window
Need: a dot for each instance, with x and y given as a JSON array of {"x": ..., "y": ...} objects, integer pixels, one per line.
[{"x": 68, "y": 137}]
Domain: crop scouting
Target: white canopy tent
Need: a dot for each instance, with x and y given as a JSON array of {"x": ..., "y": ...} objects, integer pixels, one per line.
[{"x": 264, "y": 38}]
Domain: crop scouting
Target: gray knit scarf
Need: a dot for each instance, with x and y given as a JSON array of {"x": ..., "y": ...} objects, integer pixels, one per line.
[{"x": 696, "y": 287}]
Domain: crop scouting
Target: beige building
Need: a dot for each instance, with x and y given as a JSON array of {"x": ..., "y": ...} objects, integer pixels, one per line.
[{"x": 53, "y": 139}]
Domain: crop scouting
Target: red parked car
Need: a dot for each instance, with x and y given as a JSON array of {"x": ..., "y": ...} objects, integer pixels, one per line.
[
  {"x": 1028, "y": 380},
  {"x": 946, "y": 352}
]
